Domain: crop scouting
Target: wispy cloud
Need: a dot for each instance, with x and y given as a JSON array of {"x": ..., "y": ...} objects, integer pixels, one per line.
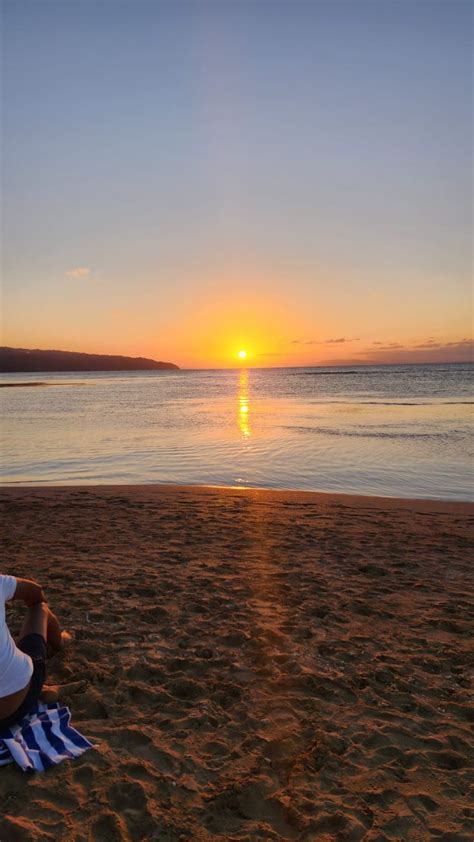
[
  {"x": 429, "y": 350},
  {"x": 461, "y": 343},
  {"x": 386, "y": 346},
  {"x": 341, "y": 340},
  {"x": 432, "y": 343},
  {"x": 78, "y": 272},
  {"x": 419, "y": 351}
]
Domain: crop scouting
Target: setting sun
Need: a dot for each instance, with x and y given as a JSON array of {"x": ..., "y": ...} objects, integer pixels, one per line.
[{"x": 242, "y": 355}]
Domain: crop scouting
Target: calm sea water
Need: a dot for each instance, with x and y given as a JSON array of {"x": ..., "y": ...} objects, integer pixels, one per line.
[{"x": 395, "y": 431}]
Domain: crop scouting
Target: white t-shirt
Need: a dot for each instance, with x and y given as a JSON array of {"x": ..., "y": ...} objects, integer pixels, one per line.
[{"x": 16, "y": 668}]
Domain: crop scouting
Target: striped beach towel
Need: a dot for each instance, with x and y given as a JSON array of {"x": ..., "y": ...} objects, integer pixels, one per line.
[{"x": 43, "y": 739}]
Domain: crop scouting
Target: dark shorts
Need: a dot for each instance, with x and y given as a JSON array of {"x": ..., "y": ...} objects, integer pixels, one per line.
[{"x": 33, "y": 645}]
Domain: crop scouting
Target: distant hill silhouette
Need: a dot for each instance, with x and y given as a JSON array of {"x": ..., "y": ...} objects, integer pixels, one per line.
[{"x": 23, "y": 359}]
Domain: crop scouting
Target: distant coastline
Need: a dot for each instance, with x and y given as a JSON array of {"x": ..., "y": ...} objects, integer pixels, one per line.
[{"x": 26, "y": 360}]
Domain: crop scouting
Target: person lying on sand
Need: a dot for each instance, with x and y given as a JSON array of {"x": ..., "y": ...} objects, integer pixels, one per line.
[{"x": 23, "y": 665}]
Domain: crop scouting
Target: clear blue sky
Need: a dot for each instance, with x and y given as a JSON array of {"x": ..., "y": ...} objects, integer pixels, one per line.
[{"x": 174, "y": 170}]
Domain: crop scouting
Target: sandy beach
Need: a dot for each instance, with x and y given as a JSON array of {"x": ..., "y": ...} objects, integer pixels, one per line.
[{"x": 260, "y": 665}]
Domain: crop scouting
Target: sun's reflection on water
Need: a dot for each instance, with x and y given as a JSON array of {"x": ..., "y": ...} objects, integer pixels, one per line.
[{"x": 243, "y": 404}]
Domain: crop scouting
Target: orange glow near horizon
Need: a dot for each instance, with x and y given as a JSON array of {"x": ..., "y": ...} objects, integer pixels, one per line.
[
  {"x": 238, "y": 319},
  {"x": 237, "y": 332},
  {"x": 235, "y": 328}
]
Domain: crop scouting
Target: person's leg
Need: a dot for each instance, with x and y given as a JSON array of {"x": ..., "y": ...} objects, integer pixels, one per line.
[
  {"x": 41, "y": 620},
  {"x": 36, "y": 621}
]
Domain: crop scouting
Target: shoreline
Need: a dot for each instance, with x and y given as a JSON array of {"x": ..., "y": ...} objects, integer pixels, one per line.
[
  {"x": 261, "y": 664},
  {"x": 278, "y": 494}
]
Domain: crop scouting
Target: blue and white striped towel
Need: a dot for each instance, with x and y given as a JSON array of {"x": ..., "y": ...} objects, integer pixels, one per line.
[{"x": 43, "y": 739}]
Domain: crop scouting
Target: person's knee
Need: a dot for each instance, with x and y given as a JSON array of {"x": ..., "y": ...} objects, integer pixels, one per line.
[
  {"x": 40, "y": 609},
  {"x": 36, "y": 620}
]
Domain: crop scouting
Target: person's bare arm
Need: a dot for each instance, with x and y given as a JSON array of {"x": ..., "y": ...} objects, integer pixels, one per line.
[{"x": 29, "y": 592}]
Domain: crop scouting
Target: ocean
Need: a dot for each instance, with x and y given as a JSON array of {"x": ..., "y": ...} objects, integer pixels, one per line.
[{"x": 401, "y": 431}]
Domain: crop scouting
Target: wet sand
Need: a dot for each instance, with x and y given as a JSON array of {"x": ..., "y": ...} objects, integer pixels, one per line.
[{"x": 261, "y": 665}]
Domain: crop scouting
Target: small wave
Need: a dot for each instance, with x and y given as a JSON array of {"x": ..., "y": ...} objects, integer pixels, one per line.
[
  {"x": 326, "y": 373},
  {"x": 327, "y": 431},
  {"x": 391, "y": 403},
  {"x": 410, "y": 403}
]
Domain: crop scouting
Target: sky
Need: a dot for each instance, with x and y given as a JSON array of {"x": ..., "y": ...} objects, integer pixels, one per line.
[{"x": 183, "y": 180}]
